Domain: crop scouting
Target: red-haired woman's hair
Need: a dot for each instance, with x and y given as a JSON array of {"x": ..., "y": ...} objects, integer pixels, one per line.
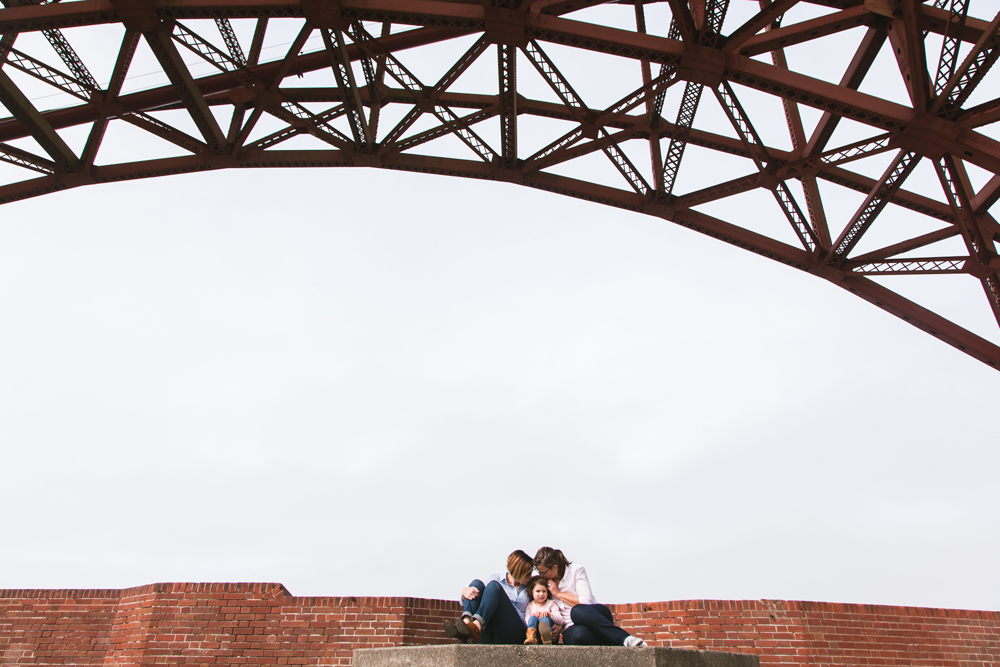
[{"x": 519, "y": 564}]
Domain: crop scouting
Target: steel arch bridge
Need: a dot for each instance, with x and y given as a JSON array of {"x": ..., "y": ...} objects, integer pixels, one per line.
[{"x": 374, "y": 111}]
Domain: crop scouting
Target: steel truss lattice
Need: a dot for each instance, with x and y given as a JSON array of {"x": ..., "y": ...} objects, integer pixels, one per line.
[{"x": 373, "y": 111}]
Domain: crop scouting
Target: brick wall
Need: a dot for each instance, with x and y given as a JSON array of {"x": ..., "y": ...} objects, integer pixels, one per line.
[
  {"x": 821, "y": 633},
  {"x": 264, "y": 624}
]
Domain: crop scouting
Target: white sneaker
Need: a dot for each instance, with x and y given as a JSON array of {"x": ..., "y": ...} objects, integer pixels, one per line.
[{"x": 635, "y": 642}]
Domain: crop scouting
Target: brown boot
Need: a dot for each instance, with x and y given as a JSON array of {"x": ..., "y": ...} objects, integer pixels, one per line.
[
  {"x": 546, "y": 632},
  {"x": 532, "y": 636},
  {"x": 473, "y": 630}
]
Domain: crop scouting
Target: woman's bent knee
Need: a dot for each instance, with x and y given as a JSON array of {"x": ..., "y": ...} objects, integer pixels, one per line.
[{"x": 478, "y": 584}]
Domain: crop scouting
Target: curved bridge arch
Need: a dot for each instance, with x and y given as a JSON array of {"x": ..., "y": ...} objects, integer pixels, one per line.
[{"x": 687, "y": 50}]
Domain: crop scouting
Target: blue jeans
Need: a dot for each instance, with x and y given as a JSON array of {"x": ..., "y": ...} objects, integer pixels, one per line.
[
  {"x": 496, "y": 613},
  {"x": 593, "y": 625},
  {"x": 534, "y": 621}
]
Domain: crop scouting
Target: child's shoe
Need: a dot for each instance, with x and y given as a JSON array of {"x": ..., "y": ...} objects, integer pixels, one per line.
[
  {"x": 532, "y": 636},
  {"x": 546, "y": 632}
]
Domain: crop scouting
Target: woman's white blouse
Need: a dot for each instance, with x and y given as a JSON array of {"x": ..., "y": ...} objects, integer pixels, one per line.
[{"x": 575, "y": 582}]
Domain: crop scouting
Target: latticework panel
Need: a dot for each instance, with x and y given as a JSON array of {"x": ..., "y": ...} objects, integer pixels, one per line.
[{"x": 909, "y": 147}]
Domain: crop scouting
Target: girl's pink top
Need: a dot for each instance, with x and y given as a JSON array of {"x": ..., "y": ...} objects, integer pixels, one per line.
[{"x": 549, "y": 606}]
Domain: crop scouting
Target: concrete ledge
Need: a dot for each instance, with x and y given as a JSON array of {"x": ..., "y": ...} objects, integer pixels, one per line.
[{"x": 457, "y": 655}]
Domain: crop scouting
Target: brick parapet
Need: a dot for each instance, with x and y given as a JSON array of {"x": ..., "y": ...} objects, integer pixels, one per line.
[{"x": 260, "y": 623}]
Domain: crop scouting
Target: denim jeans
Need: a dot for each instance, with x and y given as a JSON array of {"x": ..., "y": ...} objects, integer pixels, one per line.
[
  {"x": 495, "y": 612},
  {"x": 593, "y": 625},
  {"x": 534, "y": 621}
]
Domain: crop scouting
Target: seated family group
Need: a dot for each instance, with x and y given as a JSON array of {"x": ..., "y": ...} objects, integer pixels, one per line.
[{"x": 519, "y": 608}]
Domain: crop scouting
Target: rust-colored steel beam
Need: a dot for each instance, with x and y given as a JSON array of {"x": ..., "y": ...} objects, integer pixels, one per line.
[
  {"x": 165, "y": 96},
  {"x": 934, "y": 123}
]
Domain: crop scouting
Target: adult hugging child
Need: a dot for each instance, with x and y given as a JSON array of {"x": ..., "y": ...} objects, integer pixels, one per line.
[{"x": 514, "y": 608}]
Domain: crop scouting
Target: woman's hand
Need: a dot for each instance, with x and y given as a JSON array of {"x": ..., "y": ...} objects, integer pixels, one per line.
[
  {"x": 567, "y": 598},
  {"x": 470, "y": 593}
]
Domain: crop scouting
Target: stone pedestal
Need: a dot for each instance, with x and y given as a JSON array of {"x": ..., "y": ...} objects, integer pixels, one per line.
[{"x": 459, "y": 655}]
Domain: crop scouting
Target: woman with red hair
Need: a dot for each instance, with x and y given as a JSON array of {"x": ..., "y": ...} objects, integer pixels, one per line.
[{"x": 493, "y": 613}]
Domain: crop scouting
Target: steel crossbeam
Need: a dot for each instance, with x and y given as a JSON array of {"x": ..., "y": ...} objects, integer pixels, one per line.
[
  {"x": 370, "y": 81},
  {"x": 908, "y": 245},
  {"x": 928, "y": 266},
  {"x": 800, "y": 169},
  {"x": 22, "y": 158}
]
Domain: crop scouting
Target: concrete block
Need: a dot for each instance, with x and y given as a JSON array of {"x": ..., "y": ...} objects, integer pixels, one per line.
[{"x": 458, "y": 655}]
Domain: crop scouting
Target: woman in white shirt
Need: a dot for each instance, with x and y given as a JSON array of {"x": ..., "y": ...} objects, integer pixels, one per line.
[{"x": 588, "y": 623}]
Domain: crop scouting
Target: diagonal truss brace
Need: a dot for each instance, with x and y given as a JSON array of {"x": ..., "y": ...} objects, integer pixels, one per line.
[
  {"x": 714, "y": 15},
  {"x": 890, "y": 182},
  {"x": 340, "y": 62},
  {"x": 79, "y": 89},
  {"x": 298, "y": 117},
  {"x": 950, "y": 45},
  {"x": 556, "y": 80},
  {"x": 160, "y": 41},
  {"x": 23, "y": 110},
  {"x": 578, "y": 109},
  {"x": 678, "y": 142},
  {"x": 972, "y": 71},
  {"x": 957, "y": 189},
  {"x": 374, "y": 49},
  {"x": 782, "y": 194},
  {"x": 232, "y": 44}
]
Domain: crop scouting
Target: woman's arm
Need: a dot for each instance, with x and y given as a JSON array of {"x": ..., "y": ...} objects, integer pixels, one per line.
[
  {"x": 470, "y": 593},
  {"x": 584, "y": 594}
]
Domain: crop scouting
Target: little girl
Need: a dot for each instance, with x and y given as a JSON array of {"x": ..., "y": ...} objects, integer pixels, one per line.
[{"x": 541, "y": 614}]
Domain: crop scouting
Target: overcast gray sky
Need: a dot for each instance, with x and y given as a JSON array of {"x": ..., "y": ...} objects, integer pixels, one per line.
[{"x": 362, "y": 382}]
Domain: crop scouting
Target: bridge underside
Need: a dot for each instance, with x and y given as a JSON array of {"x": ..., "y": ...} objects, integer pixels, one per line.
[{"x": 604, "y": 108}]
